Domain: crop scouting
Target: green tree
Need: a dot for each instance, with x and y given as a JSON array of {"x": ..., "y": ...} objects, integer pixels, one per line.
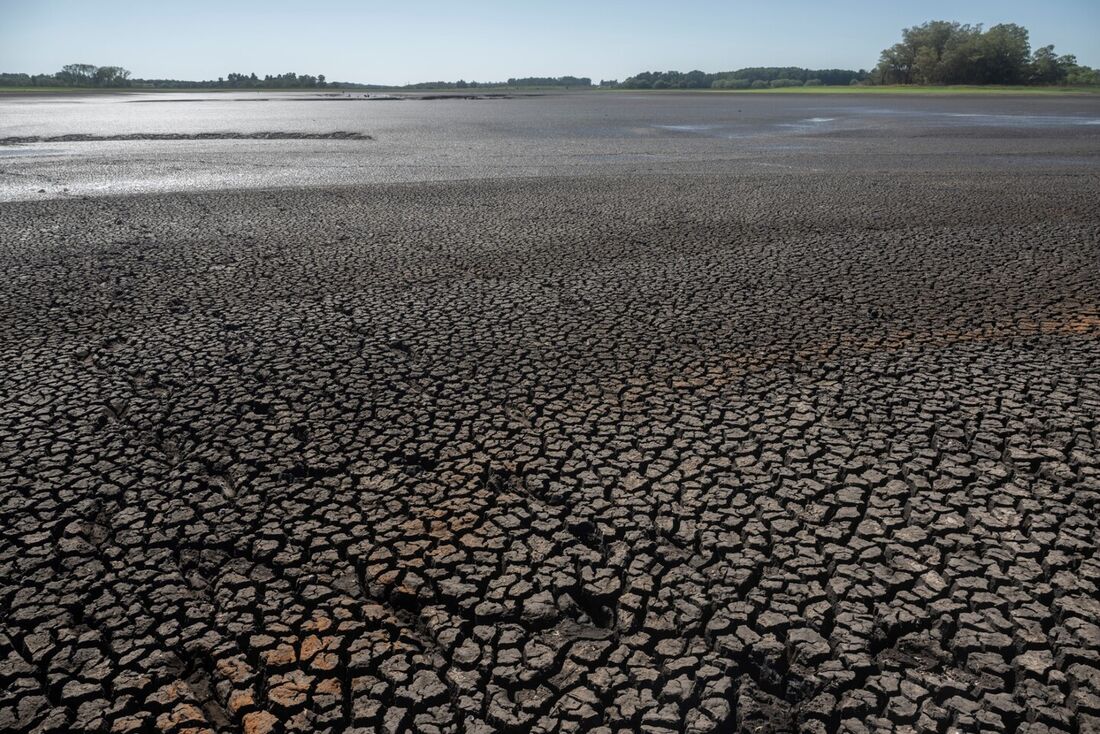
[
  {"x": 111, "y": 76},
  {"x": 81, "y": 75},
  {"x": 928, "y": 44},
  {"x": 1049, "y": 68},
  {"x": 1005, "y": 55},
  {"x": 1083, "y": 75},
  {"x": 941, "y": 52},
  {"x": 895, "y": 65}
]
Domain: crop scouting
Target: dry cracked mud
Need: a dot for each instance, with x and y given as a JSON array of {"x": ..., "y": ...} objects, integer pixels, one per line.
[{"x": 715, "y": 453}]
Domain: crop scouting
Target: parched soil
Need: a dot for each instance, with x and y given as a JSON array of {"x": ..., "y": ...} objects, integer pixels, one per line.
[
  {"x": 129, "y": 137},
  {"x": 726, "y": 453}
]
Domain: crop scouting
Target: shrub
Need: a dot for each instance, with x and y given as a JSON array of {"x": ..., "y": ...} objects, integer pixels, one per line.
[
  {"x": 1083, "y": 75},
  {"x": 813, "y": 83},
  {"x": 759, "y": 84},
  {"x": 730, "y": 84}
]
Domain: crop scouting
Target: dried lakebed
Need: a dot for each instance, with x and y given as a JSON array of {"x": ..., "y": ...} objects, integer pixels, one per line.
[
  {"x": 271, "y": 135},
  {"x": 709, "y": 453}
]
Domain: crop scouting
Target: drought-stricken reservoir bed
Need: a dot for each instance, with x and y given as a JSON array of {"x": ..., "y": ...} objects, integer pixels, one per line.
[
  {"x": 705, "y": 453},
  {"x": 152, "y": 143}
]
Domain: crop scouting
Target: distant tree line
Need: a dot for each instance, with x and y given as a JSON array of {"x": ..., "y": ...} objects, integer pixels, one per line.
[
  {"x": 937, "y": 52},
  {"x": 289, "y": 80},
  {"x": 89, "y": 75},
  {"x": 72, "y": 75},
  {"x": 567, "y": 82},
  {"x": 941, "y": 52},
  {"x": 550, "y": 81},
  {"x": 757, "y": 77}
]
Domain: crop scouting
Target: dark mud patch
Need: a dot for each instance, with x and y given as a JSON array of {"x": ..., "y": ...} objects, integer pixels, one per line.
[
  {"x": 399, "y": 97},
  {"x": 347, "y": 97},
  {"x": 277, "y": 135},
  {"x": 433, "y": 97}
]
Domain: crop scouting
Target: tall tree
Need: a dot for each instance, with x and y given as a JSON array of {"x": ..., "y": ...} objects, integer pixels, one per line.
[
  {"x": 1005, "y": 54},
  {"x": 940, "y": 52},
  {"x": 78, "y": 74}
]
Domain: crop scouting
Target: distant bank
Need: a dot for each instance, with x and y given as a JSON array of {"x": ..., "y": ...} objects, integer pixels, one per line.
[
  {"x": 381, "y": 93},
  {"x": 942, "y": 55}
]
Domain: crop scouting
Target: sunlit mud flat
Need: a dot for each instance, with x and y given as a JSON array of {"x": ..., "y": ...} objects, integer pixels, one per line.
[
  {"x": 114, "y": 144},
  {"x": 676, "y": 413}
]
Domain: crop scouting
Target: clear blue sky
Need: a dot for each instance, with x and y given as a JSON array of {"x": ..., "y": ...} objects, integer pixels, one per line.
[{"x": 396, "y": 42}]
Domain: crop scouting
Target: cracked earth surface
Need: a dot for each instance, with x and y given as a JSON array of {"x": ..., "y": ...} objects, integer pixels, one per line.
[{"x": 712, "y": 453}]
